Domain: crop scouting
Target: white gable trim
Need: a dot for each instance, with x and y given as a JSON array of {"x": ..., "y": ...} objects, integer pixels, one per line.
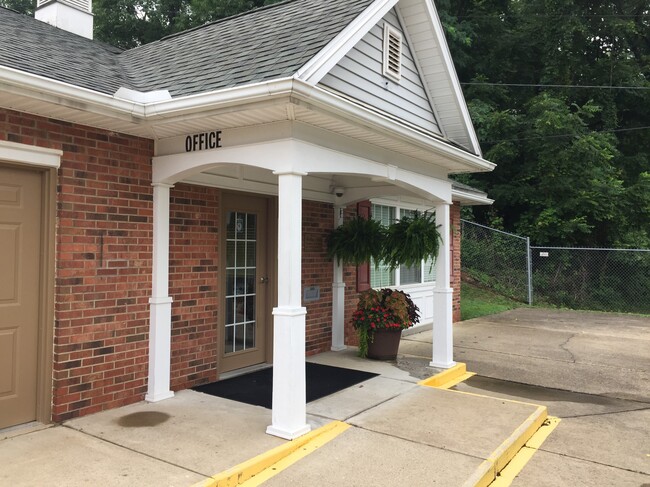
[
  {"x": 328, "y": 57},
  {"x": 455, "y": 83}
]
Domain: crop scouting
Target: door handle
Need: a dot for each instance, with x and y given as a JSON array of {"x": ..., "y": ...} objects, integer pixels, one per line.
[{"x": 264, "y": 280}]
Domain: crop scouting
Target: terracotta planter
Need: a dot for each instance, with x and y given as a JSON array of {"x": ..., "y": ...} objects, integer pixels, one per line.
[{"x": 385, "y": 344}]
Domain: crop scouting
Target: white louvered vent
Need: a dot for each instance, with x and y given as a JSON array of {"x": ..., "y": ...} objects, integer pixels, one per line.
[
  {"x": 84, "y": 5},
  {"x": 392, "y": 53}
]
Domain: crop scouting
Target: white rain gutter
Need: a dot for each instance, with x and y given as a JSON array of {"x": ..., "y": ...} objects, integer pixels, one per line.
[
  {"x": 469, "y": 197},
  {"x": 328, "y": 101},
  {"x": 138, "y": 113},
  {"x": 46, "y": 89}
]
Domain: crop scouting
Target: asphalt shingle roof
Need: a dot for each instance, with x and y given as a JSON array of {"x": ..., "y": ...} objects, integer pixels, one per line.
[
  {"x": 260, "y": 45},
  {"x": 38, "y": 48}
]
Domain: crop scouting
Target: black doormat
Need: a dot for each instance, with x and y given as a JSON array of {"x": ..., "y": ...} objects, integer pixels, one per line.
[{"x": 256, "y": 387}]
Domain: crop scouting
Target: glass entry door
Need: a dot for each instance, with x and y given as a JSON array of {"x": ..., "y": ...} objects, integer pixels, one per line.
[{"x": 245, "y": 282}]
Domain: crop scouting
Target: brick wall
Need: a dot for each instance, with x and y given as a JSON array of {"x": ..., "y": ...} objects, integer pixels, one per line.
[
  {"x": 317, "y": 270},
  {"x": 103, "y": 268},
  {"x": 103, "y": 261},
  {"x": 193, "y": 284}
]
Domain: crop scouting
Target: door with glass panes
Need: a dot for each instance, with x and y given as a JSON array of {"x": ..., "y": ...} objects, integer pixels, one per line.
[{"x": 244, "y": 282}]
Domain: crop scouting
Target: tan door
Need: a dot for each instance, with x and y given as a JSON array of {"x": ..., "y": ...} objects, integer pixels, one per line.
[
  {"x": 20, "y": 250},
  {"x": 244, "y": 282}
]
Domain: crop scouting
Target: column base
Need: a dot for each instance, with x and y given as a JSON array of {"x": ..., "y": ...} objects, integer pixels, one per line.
[
  {"x": 439, "y": 365},
  {"x": 158, "y": 397},
  {"x": 287, "y": 434},
  {"x": 338, "y": 348}
]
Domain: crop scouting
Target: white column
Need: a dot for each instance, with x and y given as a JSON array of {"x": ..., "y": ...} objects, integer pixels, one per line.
[
  {"x": 160, "y": 303},
  {"x": 443, "y": 336},
  {"x": 289, "y": 413},
  {"x": 338, "y": 295}
]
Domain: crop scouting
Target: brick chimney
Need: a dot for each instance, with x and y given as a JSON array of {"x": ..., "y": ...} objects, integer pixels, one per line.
[{"x": 72, "y": 15}]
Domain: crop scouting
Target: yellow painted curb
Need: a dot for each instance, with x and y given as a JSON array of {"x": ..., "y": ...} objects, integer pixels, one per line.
[
  {"x": 448, "y": 378},
  {"x": 517, "y": 464},
  {"x": 486, "y": 473},
  {"x": 245, "y": 471}
]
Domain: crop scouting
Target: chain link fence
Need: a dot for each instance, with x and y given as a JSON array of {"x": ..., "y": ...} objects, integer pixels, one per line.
[
  {"x": 579, "y": 278},
  {"x": 496, "y": 259}
]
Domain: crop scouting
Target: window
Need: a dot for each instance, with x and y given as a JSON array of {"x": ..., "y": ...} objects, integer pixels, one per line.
[
  {"x": 382, "y": 276},
  {"x": 392, "y": 53}
]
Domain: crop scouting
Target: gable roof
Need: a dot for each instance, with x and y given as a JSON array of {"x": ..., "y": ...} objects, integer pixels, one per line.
[
  {"x": 266, "y": 62},
  {"x": 263, "y": 44},
  {"x": 259, "y": 45}
]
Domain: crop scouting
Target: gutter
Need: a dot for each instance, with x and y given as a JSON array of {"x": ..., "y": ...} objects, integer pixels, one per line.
[
  {"x": 138, "y": 113},
  {"x": 46, "y": 89}
]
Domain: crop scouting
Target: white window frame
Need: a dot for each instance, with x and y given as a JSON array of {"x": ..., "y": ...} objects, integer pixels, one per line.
[{"x": 422, "y": 285}]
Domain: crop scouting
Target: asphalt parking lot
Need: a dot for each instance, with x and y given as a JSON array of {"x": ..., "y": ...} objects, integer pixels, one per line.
[{"x": 592, "y": 370}]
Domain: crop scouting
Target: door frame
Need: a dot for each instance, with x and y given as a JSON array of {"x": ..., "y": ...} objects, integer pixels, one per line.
[
  {"x": 271, "y": 256},
  {"x": 46, "y": 290}
]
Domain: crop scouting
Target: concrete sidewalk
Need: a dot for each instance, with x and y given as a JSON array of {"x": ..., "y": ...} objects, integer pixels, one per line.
[{"x": 399, "y": 431}]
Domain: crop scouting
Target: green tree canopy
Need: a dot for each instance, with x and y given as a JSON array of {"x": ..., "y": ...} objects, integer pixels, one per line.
[{"x": 559, "y": 92}]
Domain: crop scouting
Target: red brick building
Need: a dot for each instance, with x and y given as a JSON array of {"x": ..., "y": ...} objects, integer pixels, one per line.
[{"x": 163, "y": 210}]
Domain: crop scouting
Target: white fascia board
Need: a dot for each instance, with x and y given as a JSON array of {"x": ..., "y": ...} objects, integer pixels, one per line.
[
  {"x": 451, "y": 70},
  {"x": 321, "y": 64},
  {"x": 468, "y": 198},
  {"x": 46, "y": 89},
  {"x": 331, "y": 102}
]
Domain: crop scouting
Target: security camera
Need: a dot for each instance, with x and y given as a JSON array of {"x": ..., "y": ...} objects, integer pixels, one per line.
[{"x": 339, "y": 192}]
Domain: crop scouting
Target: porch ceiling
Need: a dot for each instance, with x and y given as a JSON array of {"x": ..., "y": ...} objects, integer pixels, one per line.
[{"x": 316, "y": 187}]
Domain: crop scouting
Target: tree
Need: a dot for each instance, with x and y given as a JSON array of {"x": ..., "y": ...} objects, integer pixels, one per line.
[
  {"x": 573, "y": 163},
  {"x": 22, "y": 6},
  {"x": 130, "y": 23}
]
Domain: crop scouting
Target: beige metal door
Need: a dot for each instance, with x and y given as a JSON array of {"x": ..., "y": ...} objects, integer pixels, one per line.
[
  {"x": 20, "y": 251},
  {"x": 244, "y": 282}
]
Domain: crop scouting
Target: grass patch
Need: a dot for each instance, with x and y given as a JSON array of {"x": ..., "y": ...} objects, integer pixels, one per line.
[{"x": 477, "y": 301}]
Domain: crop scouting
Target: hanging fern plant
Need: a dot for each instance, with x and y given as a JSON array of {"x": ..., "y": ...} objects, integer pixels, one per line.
[
  {"x": 411, "y": 239},
  {"x": 356, "y": 241}
]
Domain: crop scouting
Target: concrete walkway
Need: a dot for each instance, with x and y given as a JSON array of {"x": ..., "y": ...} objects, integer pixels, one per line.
[
  {"x": 399, "y": 431},
  {"x": 590, "y": 369}
]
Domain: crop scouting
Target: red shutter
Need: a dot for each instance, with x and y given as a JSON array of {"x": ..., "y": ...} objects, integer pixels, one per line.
[{"x": 363, "y": 271}]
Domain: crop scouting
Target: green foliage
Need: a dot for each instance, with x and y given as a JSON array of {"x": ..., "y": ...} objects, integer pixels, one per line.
[
  {"x": 407, "y": 241},
  {"x": 411, "y": 239},
  {"x": 572, "y": 162},
  {"x": 22, "y": 6},
  {"x": 476, "y": 301},
  {"x": 130, "y": 23},
  {"x": 357, "y": 241}
]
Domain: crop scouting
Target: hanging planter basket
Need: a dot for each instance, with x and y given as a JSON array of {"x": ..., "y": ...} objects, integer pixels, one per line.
[
  {"x": 411, "y": 239},
  {"x": 356, "y": 241}
]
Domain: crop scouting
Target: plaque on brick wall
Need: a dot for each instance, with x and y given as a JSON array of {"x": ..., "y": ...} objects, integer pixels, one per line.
[{"x": 311, "y": 293}]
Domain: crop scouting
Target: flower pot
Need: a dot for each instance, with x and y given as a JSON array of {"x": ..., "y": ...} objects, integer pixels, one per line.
[{"x": 384, "y": 345}]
